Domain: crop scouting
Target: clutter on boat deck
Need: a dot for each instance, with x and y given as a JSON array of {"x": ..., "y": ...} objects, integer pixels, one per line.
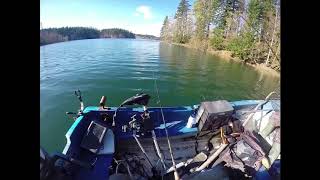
[{"x": 212, "y": 140}]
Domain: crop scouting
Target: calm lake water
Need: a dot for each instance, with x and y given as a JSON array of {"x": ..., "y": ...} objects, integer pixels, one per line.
[{"x": 120, "y": 68}]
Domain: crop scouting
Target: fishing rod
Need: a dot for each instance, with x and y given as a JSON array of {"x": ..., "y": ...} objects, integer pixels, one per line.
[
  {"x": 147, "y": 126},
  {"x": 79, "y": 96},
  {"x": 142, "y": 149},
  {"x": 74, "y": 115},
  {"x": 176, "y": 175}
]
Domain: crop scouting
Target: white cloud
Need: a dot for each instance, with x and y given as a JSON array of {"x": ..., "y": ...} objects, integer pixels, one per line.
[
  {"x": 150, "y": 28},
  {"x": 145, "y": 11}
]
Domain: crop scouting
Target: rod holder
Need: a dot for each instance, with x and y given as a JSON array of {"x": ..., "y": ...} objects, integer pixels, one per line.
[{"x": 102, "y": 102}]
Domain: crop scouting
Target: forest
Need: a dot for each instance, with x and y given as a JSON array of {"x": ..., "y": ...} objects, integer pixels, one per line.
[
  {"x": 248, "y": 29},
  {"x": 116, "y": 33},
  {"x": 53, "y": 35}
]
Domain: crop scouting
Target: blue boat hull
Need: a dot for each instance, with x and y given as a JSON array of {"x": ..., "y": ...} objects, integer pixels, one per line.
[{"x": 176, "y": 122}]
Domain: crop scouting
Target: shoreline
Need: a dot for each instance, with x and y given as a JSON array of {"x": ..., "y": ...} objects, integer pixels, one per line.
[
  {"x": 226, "y": 55},
  {"x": 139, "y": 38}
]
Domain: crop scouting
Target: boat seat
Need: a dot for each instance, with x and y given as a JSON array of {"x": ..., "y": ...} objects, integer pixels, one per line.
[
  {"x": 107, "y": 144},
  {"x": 93, "y": 138}
]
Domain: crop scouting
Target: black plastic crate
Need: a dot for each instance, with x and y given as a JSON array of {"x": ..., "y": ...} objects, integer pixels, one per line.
[{"x": 213, "y": 114}]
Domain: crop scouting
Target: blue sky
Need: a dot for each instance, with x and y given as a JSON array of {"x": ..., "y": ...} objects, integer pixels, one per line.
[{"x": 138, "y": 16}]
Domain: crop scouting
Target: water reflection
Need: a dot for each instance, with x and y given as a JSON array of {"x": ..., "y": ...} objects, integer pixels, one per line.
[{"x": 214, "y": 78}]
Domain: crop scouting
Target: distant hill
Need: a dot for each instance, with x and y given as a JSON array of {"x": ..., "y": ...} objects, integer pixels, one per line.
[
  {"x": 116, "y": 33},
  {"x": 54, "y": 35},
  {"x": 145, "y": 36}
]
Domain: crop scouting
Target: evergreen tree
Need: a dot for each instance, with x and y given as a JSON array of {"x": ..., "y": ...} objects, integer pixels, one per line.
[
  {"x": 204, "y": 13},
  {"x": 180, "y": 34},
  {"x": 164, "y": 33},
  {"x": 249, "y": 29}
]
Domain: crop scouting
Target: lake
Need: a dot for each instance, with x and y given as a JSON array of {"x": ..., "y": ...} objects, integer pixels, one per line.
[{"x": 121, "y": 68}]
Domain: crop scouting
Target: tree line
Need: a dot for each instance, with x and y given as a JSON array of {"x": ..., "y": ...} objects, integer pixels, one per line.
[
  {"x": 146, "y": 36},
  {"x": 53, "y": 35},
  {"x": 116, "y": 33},
  {"x": 249, "y": 29}
]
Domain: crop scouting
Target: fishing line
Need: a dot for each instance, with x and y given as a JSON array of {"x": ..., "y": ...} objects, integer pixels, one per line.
[{"x": 165, "y": 128}]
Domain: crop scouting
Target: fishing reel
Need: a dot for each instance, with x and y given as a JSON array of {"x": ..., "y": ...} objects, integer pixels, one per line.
[
  {"x": 143, "y": 124},
  {"x": 134, "y": 124}
]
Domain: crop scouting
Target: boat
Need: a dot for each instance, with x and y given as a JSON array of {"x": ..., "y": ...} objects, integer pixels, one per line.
[{"x": 134, "y": 141}]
